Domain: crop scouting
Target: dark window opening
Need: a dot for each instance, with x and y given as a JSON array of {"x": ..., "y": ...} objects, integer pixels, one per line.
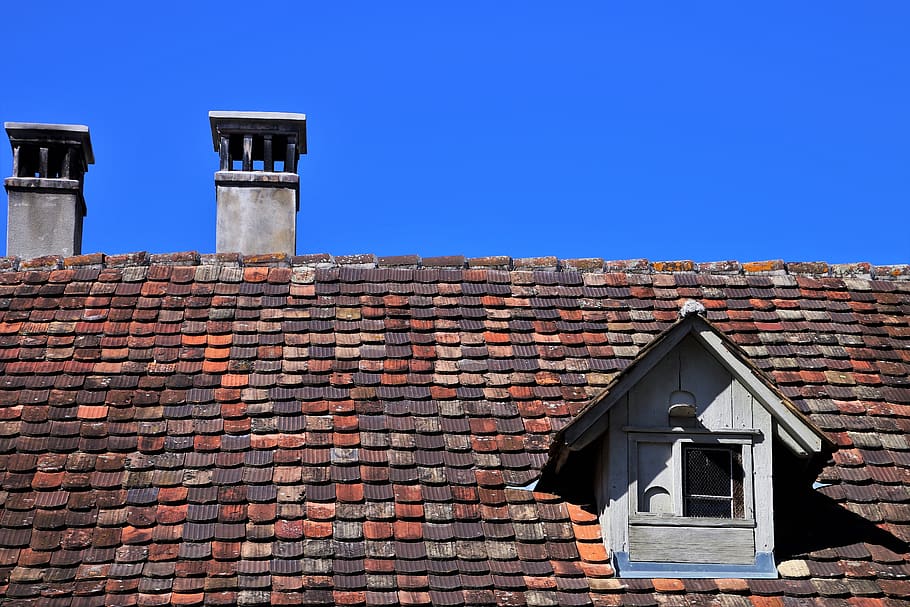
[
  {"x": 256, "y": 152},
  {"x": 48, "y": 162},
  {"x": 712, "y": 482}
]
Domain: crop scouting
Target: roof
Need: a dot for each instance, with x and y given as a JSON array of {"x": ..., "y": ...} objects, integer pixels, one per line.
[
  {"x": 795, "y": 431},
  {"x": 187, "y": 429}
]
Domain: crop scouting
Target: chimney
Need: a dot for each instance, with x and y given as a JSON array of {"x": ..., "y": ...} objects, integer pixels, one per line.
[
  {"x": 46, "y": 206},
  {"x": 257, "y": 189}
]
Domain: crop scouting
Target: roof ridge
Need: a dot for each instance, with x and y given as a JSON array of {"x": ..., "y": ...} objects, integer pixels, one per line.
[{"x": 815, "y": 269}]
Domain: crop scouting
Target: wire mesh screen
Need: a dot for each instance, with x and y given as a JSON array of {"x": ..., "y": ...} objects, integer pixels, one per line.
[{"x": 712, "y": 482}]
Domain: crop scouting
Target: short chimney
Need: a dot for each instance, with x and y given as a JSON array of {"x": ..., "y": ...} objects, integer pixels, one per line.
[
  {"x": 257, "y": 189},
  {"x": 46, "y": 206}
]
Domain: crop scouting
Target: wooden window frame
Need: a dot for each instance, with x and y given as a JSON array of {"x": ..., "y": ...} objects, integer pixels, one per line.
[
  {"x": 734, "y": 475},
  {"x": 724, "y": 439}
]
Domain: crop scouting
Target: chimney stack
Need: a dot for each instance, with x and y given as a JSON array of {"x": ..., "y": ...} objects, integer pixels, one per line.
[
  {"x": 46, "y": 205},
  {"x": 257, "y": 189}
]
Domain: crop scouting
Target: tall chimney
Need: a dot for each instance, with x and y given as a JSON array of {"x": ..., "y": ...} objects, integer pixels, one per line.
[
  {"x": 46, "y": 205},
  {"x": 257, "y": 189}
]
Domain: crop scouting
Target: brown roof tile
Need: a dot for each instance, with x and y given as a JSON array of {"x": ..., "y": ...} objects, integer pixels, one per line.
[{"x": 310, "y": 430}]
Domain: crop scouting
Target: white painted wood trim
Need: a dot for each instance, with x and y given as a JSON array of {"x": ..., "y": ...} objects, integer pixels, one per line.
[
  {"x": 594, "y": 422},
  {"x": 618, "y": 480},
  {"x": 689, "y": 521},
  {"x": 633, "y": 474},
  {"x": 791, "y": 443},
  {"x": 748, "y": 481},
  {"x": 677, "y": 464},
  {"x": 764, "y": 485},
  {"x": 692, "y": 545},
  {"x": 676, "y": 432},
  {"x": 746, "y": 440},
  {"x": 602, "y": 493},
  {"x": 701, "y": 438},
  {"x": 805, "y": 436}
]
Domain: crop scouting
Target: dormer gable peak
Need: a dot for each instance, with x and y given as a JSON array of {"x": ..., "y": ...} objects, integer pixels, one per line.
[{"x": 796, "y": 430}]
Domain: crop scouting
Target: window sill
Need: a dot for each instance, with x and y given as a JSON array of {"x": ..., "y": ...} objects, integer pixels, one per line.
[
  {"x": 690, "y": 521},
  {"x": 763, "y": 567}
]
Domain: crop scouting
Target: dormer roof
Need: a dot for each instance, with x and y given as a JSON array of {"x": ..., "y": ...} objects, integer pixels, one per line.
[{"x": 793, "y": 428}]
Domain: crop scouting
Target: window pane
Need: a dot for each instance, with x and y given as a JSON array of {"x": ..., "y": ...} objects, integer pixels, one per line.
[
  {"x": 708, "y": 472},
  {"x": 706, "y": 507},
  {"x": 712, "y": 481}
]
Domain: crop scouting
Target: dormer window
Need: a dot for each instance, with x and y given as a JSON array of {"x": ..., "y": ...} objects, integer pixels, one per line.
[
  {"x": 683, "y": 478},
  {"x": 682, "y": 446},
  {"x": 712, "y": 484}
]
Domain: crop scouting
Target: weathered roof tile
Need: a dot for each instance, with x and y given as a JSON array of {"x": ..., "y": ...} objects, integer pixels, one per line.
[{"x": 360, "y": 422}]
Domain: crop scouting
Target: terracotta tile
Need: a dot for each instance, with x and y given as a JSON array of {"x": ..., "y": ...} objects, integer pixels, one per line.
[
  {"x": 405, "y": 530},
  {"x": 895, "y": 588},
  {"x": 594, "y": 552},
  {"x": 865, "y": 602},
  {"x": 289, "y": 530},
  {"x": 316, "y": 529},
  {"x": 471, "y": 368},
  {"x": 733, "y": 586},
  {"x": 668, "y": 585}
]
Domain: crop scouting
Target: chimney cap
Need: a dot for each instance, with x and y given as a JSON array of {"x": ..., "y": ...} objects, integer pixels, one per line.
[
  {"x": 278, "y": 123},
  {"x": 37, "y": 132}
]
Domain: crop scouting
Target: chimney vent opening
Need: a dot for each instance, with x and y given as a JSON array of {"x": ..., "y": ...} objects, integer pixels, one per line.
[
  {"x": 257, "y": 187},
  {"x": 45, "y": 189},
  {"x": 258, "y": 145}
]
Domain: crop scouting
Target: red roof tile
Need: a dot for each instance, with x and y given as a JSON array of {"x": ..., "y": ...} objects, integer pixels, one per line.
[{"x": 191, "y": 429}]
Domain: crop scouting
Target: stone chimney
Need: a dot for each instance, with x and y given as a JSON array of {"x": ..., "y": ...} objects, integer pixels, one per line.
[
  {"x": 46, "y": 206},
  {"x": 257, "y": 189}
]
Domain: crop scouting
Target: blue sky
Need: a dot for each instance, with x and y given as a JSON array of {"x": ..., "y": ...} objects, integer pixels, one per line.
[{"x": 666, "y": 130}]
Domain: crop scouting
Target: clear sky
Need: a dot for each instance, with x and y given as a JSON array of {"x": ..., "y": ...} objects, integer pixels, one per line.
[{"x": 666, "y": 130}]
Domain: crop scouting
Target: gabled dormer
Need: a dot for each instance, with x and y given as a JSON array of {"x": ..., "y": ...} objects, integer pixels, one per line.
[{"x": 677, "y": 454}]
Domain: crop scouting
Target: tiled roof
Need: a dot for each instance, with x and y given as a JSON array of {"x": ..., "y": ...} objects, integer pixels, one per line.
[{"x": 185, "y": 429}]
